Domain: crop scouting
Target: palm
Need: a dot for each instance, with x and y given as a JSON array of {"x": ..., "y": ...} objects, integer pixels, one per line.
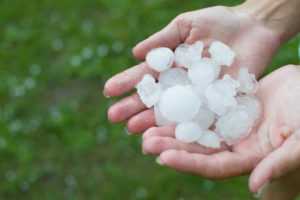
[
  {"x": 254, "y": 44},
  {"x": 278, "y": 95}
]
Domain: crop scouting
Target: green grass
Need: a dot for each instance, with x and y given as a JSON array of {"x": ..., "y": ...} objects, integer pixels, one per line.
[{"x": 55, "y": 140}]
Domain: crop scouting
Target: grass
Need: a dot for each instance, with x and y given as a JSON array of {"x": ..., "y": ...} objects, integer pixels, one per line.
[{"x": 55, "y": 140}]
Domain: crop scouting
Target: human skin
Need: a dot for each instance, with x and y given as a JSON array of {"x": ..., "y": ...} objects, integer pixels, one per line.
[{"x": 255, "y": 30}]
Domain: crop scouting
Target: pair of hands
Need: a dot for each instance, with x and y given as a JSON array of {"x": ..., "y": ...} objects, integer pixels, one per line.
[{"x": 271, "y": 150}]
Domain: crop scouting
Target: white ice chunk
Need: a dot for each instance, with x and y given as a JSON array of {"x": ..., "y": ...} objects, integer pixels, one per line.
[
  {"x": 148, "y": 90},
  {"x": 186, "y": 55},
  {"x": 252, "y": 106},
  {"x": 221, "y": 95},
  {"x": 239, "y": 121},
  {"x": 188, "y": 132},
  {"x": 248, "y": 82},
  {"x": 205, "y": 118},
  {"x": 172, "y": 77},
  {"x": 179, "y": 104},
  {"x": 203, "y": 73},
  {"x": 160, "y": 59},
  {"x": 221, "y": 53},
  {"x": 159, "y": 118},
  {"x": 210, "y": 139}
]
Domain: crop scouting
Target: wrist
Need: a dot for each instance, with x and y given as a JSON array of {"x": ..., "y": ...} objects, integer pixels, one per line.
[{"x": 280, "y": 16}]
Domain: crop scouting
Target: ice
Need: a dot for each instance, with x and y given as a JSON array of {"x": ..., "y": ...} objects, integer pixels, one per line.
[
  {"x": 159, "y": 118},
  {"x": 186, "y": 55},
  {"x": 239, "y": 121},
  {"x": 210, "y": 139},
  {"x": 160, "y": 59},
  {"x": 179, "y": 104},
  {"x": 172, "y": 77},
  {"x": 148, "y": 90},
  {"x": 221, "y": 95},
  {"x": 205, "y": 118},
  {"x": 204, "y": 72},
  {"x": 252, "y": 106},
  {"x": 188, "y": 132},
  {"x": 221, "y": 53},
  {"x": 248, "y": 82}
]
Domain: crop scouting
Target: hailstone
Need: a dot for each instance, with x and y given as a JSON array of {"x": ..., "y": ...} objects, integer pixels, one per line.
[
  {"x": 179, "y": 104},
  {"x": 160, "y": 59},
  {"x": 148, "y": 90},
  {"x": 188, "y": 132},
  {"x": 210, "y": 139},
  {"x": 248, "y": 82},
  {"x": 221, "y": 53},
  {"x": 172, "y": 77}
]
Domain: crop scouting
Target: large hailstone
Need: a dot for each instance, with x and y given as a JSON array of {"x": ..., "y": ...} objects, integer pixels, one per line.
[
  {"x": 221, "y": 94},
  {"x": 248, "y": 82},
  {"x": 148, "y": 90},
  {"x": 203, "y": 73},
  {"x": 210, "y": 139},
  {"x": 160, "y": 59},
  {"x": 160, "y": 120},
  {"x": 188, "y": 132},
  {"x": 238, "y": 122},
  {"x": 179, "y": 104},
  {"x": 186, "y": 55},
  {"x": 172, "y": 77},
  {"x": 221, "y": 53},
  {"x": 205, "y": 118}
]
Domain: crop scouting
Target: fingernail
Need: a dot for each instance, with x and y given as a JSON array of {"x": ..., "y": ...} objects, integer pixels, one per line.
[
  {"x": 158, "y": 161},
  {"x": 127, "y": 131},
  {"x": 105, "y": 95},
  {"x": 261, "y": 190}
]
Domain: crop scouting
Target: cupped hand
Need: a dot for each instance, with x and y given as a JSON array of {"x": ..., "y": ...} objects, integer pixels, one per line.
[
  {"x": 254, "y": 43},
  {"x": 275, "y": 139}
]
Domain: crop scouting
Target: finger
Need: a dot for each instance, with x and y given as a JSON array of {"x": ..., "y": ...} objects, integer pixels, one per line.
[
  {"x": 216, "y": 166},
  {"x": 281, "y": 161},
  {"x": 141, "y": 122},
  {"x": 157, "y": 145},
  {"x": 125, "y": 108},
  {"x": 166, "y": 131},
  {"x": 172, "y": 35},
  {"x": 126, "y": 80}
]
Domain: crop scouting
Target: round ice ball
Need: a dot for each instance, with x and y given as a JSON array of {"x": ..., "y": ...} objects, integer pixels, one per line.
[
  {"x": 172, "y": 77},
  {"x": 204, "y": 72},
  {"x": 179, "y": 104},
  {"x": 188, "y": 132},
  {"x": 160, "y": 59},
  {"x": 210, "y": 139}
]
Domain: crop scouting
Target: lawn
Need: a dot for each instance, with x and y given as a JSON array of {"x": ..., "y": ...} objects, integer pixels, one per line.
[{"x": 55, "y": 140}]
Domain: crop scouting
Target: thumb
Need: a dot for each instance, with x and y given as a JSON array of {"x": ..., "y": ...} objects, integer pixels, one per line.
[
  {"x": 278, "y": 163},
  {"x": 173, "y": 34}
]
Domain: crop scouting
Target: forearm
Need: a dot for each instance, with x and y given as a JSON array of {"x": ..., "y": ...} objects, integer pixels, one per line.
[{"x": 282, "y": 16}]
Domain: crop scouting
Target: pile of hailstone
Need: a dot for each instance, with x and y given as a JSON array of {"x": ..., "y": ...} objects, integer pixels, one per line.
[{"x": 206, "y": 107}]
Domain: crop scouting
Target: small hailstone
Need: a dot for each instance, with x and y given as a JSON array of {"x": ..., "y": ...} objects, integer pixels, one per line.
[
  {"x": 179, "y": 104},
  {"x": 148, "y": 90},
  {"x": 234, "y": 125},
  {"x": 239, "y": 121},
  {"x": 172, "y": 77},
  {"x": 203, "y": 73},
  {"x": 160, "y": 59},
  {"x": 205, "y": 118},
  {"x": 221, "y": 95},
  {"x": 186, "y": 55},
  {"x": 159, "y": 118},
  {"x": 247, "y": 81},
  {"x": 221, "y": 53},
  {"x": 210, "y": 139},
  {"x": 252, "y": 105},
  {"x": 188, "y": 132}
]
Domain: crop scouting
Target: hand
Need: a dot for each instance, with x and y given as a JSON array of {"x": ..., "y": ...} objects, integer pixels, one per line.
[
  {"x": 254, "y": 43},
  {"x": 280, "y": 94}
]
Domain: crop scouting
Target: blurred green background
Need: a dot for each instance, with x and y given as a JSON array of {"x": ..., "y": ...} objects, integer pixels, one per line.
[{"x": 55, "y": 140}]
